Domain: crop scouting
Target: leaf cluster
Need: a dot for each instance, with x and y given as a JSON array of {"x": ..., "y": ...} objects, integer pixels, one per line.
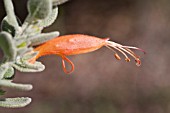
[{"x": 17, "y": 42}]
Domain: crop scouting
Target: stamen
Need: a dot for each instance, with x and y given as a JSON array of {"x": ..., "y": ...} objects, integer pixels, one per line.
[
  {"x": 138, "y": 62},
  {"x": 117, "y": 56},
  {"x": 131, "y": 47},
  {"x": 117, "y": 48},
  {"x": 132, "y": 52},
  {"x": 124, "y": 49},
  {"x": 133, "y": 55},
  {"x": 127, "y": 59},
  {"x": 111, "y": 48},
  {"x": 113, "y": 43}
]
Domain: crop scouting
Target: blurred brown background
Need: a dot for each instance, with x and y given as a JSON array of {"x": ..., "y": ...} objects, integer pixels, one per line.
[{"x": 101, "y": 84}]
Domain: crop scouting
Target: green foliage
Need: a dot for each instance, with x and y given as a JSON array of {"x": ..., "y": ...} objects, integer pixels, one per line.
[
  {"x": 58, "y": 2},
  {"x": 17, "y": 43},
  {"x": 15, "y": 102},
  {"x": 2, "y": 92},
  {"x": 39, "y": 9},
  {"x": 9, "y": 74},
  {"x": 5, "y": 26},
  {"x": 8, "y": 46},
  {"x": 51, "y": 18}
]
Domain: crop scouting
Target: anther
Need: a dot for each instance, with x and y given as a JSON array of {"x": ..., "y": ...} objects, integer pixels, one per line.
[
  {"x": 127, "y": 59},
  {"x": 138, "y": 62},
  {"x": 117, "y": 56}
]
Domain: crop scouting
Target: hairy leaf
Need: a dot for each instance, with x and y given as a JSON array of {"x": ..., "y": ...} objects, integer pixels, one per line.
[
  {"x": 9, "y": 73},
  {"x": 36, "y": 67},
  {"x": 10, "y": 14},
  {"x": 39, "y": 9},
  {"x": 9, "y": 84},
  {"x": 39, "y": 39},
  {"x": 8, "y": 46},
  {"x": 58, "y": 2},
  {"x": 15, "y": 102},
  {"x": 5, "y": 26},
  {"x": 50, "y": 19}
]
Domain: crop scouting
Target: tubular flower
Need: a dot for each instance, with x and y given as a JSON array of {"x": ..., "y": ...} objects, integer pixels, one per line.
[{"x": 78, "y": 44}]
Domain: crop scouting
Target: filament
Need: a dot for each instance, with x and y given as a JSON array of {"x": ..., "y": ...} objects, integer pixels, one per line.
[{"x": 124, "y": 49}]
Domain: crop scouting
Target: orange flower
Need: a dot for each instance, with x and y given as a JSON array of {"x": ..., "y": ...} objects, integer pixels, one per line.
[{"x": 78, "y": 44}]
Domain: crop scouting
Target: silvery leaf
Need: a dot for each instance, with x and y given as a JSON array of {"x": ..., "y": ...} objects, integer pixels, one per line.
[{"x": 15, "y": 102}]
